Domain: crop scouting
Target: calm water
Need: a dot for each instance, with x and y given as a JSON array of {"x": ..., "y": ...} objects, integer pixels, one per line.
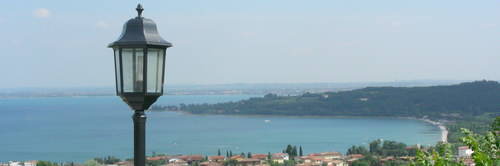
[{"x": 80, "y": 128}]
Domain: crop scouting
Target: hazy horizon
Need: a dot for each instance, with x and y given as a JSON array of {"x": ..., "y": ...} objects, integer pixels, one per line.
[
  {"x": 64, "y": 43},
  {"x": 369, "y": 83}
]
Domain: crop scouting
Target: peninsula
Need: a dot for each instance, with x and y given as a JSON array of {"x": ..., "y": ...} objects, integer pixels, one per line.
[{"x": 468, "y": 102}]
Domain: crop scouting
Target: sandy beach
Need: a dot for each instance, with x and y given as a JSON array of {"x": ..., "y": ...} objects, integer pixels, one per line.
[{"x": 444, "y": 131}]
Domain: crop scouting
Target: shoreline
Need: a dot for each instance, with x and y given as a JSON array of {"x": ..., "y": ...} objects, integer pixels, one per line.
[{"x": 441, "y": 126}]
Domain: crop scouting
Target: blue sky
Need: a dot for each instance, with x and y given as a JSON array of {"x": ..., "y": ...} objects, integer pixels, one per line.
[{"x": 63, "y": 43}]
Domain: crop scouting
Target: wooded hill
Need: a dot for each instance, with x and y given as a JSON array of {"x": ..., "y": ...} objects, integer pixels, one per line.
[{"x": 441, "y": 102}]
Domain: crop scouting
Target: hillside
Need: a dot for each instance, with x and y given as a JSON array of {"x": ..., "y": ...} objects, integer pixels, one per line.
[{"x": 443, "y": 102}]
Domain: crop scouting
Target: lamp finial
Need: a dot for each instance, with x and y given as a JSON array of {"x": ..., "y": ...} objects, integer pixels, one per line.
[{"x": 139, "y": 10}]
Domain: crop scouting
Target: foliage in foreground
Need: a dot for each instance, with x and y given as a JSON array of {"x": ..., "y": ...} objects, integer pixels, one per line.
[{"x": 485, "y": 147}]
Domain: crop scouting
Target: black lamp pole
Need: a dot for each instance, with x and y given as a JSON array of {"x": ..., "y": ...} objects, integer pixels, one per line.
[
  {"x": 139, "y": 71},
  {"x": 139, "y": 138}
]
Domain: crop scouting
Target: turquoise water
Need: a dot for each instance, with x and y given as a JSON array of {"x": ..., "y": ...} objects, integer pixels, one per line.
[{"x": 81, "y": 128}]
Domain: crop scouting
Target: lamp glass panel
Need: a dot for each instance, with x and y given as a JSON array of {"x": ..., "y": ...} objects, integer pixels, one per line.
[
  {"x": 117, "y": 71},
  {"x": 128, "y": 69},
  {"x": 155, "y": 68},
  {"x": 139, "y": 70},
  {"x": 133, "y": 68},
  {"x": 161, "y": 62},
  {"x": 152, "y": 69}
]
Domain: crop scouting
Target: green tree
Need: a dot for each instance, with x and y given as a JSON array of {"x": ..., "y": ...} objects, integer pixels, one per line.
[
  {"x": 273, "y": 163},
  {"x": 369, "y": 160},
  {"x": 375, "y": 147},
  {"x": 155, "y": 162},
  {"x": 218, "y": 152},
  {"x": 289, "y": 163},
  {"x": 357, "y": 150},
  {"x": 91, "y": 163},
  {"x": 442, "y": 157},
  {"x": 446, "y": 102},
  {"x": 486, "y": 147},
  {"x": 107, "y": 160},
  {"x": 301, "y": 153},
  {"x": 393, "y": 148},
  {"x": 360, "y": 163},
  {"x": 45, "y": 163},
  {"x": 485, "y": 150},
  {"x": 289, "y": 149},
  {"x": 294, "y": 151},
  {"x": 249, "y": 155}
]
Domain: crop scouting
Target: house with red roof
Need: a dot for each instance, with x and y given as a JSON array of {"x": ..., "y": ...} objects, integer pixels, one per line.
[
  {"x": 280, "y": 157},
  {"x": 260, "y": 156},
  {"x": 216, "y": 158}
]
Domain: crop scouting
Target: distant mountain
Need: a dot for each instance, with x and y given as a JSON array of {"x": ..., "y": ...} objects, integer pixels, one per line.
[{"x": 453, "y": 101}]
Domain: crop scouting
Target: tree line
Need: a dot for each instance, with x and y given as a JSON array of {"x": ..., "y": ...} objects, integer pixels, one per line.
[{"x": 435, "y": 102}]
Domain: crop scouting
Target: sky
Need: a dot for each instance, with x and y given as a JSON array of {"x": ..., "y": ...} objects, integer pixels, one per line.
[{"x": 48, "y": 43}]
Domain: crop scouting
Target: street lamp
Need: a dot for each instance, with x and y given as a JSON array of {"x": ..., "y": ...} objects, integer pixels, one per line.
[{"x": 139, "y": 71}]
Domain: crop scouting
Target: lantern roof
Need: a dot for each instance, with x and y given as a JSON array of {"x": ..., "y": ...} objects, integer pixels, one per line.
[{"x": 140, "y": 31}]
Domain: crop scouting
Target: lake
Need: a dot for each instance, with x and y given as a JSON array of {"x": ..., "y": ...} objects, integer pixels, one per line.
[{"x": 81, "y": 128}]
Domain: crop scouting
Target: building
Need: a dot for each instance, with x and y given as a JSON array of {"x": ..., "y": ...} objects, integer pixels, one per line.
[
  {"x": 216, "y": 158},
  {"x": 125, "y": 163},
  {"x": 248, "y": 162},
  {"x": 353, "y": 157},
  {"x": 464, "y": 152},
  {"x": 14, "y": 163},
  {"x": 30, "y": 163},
  {"x": 280, "y": 157},
  {"x": 326, "y": 158},
  {"x": 327, "y": 155},
  {"x": 178, "y": 164},
  {"x": 210, "y": 163},
  {"x": 176, "y": 160},
  {"x": 157, "y": 158},
  {"x": 236, "y": 157},
  {"x": 331, "y": 155},
  {"x": 20, "y": 163},
  {"x": 260, "y": 156},
  {"x": 191, "y": 158},
  {"x": 319, "y": 161},
  {"x": 336, "y": 163},
  {"x": 469, "y": 162}
]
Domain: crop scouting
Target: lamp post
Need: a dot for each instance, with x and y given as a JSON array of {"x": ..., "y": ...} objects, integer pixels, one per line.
[{"x": 139, "y": 55}]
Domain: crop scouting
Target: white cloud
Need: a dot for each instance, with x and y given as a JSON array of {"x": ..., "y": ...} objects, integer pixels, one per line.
[
  {"x": 41, "y": 13},
  {"x": 102, "y": 25}
]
